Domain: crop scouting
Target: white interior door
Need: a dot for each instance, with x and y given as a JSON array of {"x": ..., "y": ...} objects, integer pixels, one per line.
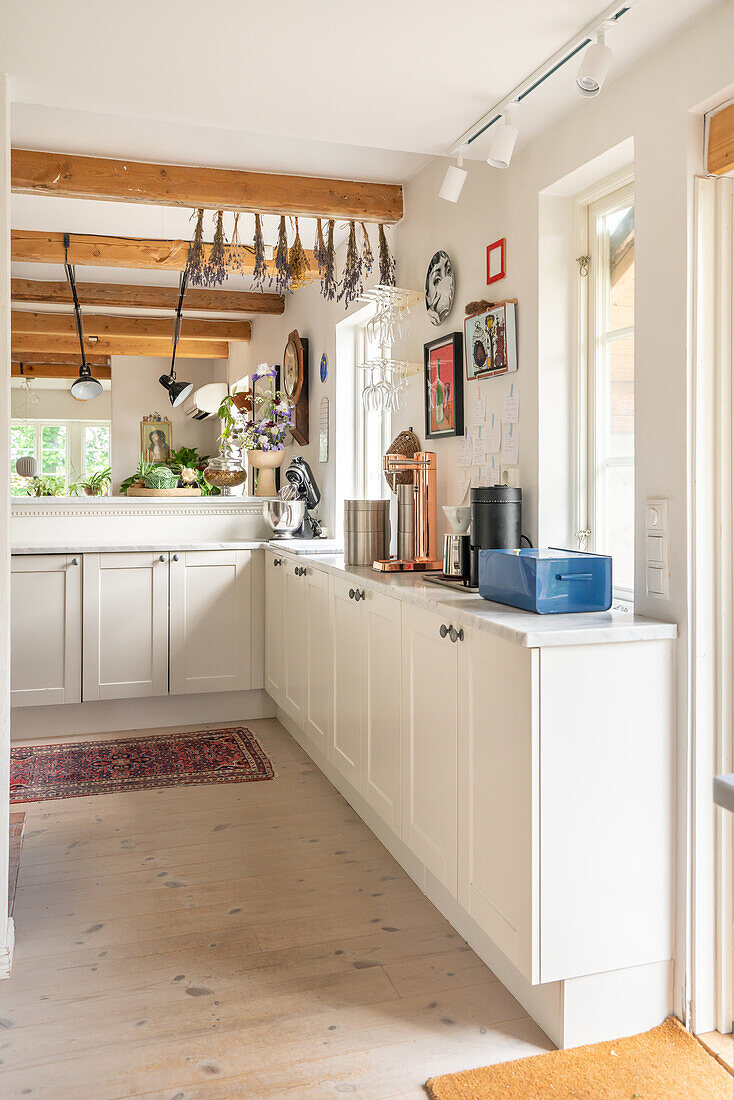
[
  {"x": 210, "y": 621},
  {"x": 346, "y": 736},
  {"x": 382, "y": 717},
  {"x": 274, "y": 572},
  {"x": 125, "y": 653},
  {"x": 45, "y": 629},
  {"x": 429, "y": 709}
]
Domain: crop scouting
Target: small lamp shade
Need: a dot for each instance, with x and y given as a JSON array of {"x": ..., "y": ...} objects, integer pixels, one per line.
[
  {"x": 177, "y": 391},
  {"x": 26, "y": 466}
]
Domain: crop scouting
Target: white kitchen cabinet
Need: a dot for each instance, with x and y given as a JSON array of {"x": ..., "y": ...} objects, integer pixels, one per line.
[
  {"x": 349, "y": 680},
  {"x": 429, "y": 742},
  {"x": 295, "y": 641},
  {"x": 46, "y": 629},
  {"x": 318, "y": 654},
  {"x": 125, "y": 622},
  {"x": 381, "y": 617},
  {"x": 498, "y": 793},
  {"x": 210, "y": 612},
  {"x": 274, "y": 624}
]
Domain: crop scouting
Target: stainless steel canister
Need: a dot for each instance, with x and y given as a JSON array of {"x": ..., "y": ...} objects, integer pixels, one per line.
[
  {"x": 366, "y": 531},
  {"x": 406, "y": 522}
]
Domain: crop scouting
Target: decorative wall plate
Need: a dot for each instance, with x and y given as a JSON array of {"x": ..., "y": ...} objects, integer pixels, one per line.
[
  {"x": 324, "y": 368},
  {"x": 440, "y": 287}
]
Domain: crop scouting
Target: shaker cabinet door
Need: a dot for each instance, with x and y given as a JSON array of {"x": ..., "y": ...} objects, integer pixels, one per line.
[
  {"x": 429, "y": 700},
  {"x": 45, "y": 629},
  {"x": 382, "y": 718},
  {"x": 295, "y": 641},
  {"x": 319, "y": 653},
  {"x": 274, "y": 615},
  {"x": 210, "y": 621},
  {"x": 125, "y": 625},
  {"x": 348, "y": 665}
]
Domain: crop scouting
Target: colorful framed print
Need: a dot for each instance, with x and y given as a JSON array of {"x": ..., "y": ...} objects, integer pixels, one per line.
[
  {"x": 155, "y": 439},
  {"x": 443, "y": 386},
  {"x": 496, "y": 260},
  {"x": 490, "y": 341}
]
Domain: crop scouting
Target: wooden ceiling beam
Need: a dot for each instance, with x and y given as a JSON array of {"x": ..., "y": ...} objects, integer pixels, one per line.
[
  {"x": 96, "y": 324},
  {"x": 37, "y": 358},
  {"x": 34, "y": 172},
  {"x": 118, "y": 345},
  {"x": 42, "y": 292},
  {"x": 85, "y": 250},
  {"x": 54, "y": 370},
  {"x": 720, "y": 156}
]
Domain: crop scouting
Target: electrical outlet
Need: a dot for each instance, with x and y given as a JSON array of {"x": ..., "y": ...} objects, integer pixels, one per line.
[{"x": 657, "y": 570}]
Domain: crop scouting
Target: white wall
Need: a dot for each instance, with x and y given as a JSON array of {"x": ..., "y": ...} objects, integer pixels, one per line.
[
  {"x": 657, "y": 105},
  {"x": 136, "y": 393},
  {"x": 58, "y": 404}
]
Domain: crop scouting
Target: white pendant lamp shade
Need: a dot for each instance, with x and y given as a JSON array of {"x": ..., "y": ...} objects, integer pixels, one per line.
[
  {"x": 594, "y": 68},
  {"x": 453, "y": 182},
  {"x": 502, "y": 144},
  {"x": 26, "y": 466},
  {"x": 85, "y": 387}
]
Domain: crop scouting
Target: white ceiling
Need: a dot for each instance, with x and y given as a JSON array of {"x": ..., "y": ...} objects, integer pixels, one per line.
[{"x": 360, "y": 90}]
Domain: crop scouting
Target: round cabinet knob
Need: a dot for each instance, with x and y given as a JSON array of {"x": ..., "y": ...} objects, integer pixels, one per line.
[
  {"x": 175, "y": 557},
  {"x": 443, "y": 630},
  {"x": 75, "y": 561},
  {"x": 277, "y": 561},
  {"x": 162, "y": 557},
  {"x": 456, "y": 635},
  {"x": 351, "y": 593}
]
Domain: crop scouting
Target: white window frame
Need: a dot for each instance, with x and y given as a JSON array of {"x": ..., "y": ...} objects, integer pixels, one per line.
[
  {"x": 75, "y": 449},
  {"x": 604, "y": 197},
  {"x": 372, "y": 430}
]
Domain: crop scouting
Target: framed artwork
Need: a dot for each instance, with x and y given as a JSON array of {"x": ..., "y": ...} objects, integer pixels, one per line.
[
  {"x": 490, "y": 341},
  {"x": 496, "y": 260},
  {"x": 444, "y": 386},
  {"x": 440, "y": 286},
  {"x": 155, "y": 439}
]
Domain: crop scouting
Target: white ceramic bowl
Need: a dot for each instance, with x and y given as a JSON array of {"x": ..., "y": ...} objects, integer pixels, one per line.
[{"x": 459, "y": 516}]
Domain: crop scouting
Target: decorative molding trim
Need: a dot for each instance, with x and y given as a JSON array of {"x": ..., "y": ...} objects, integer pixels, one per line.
[
  {"x": 6, "y": 951},
  {"x": 55, "y": 507}
]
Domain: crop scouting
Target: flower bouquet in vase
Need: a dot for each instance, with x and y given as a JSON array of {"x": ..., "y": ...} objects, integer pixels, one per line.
[{"x": 259, "y": 423}]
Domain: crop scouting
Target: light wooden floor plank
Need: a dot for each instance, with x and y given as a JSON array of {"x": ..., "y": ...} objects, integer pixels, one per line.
[{"x": 294, "y": 960}]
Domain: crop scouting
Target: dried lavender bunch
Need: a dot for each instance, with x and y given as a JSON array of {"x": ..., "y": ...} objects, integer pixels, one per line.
[
  {"x": 387, "y": 260},
  {"x": 215, "y": 270},
  {"x": 367, "y": 258},
  {"x": 298, "y": 261},
  {"x": 352, "y": 277},
  {"x": 319, "y": 251},
  {"x": 260, "y": 270},
  {"x": 282, "y": 266},
  {"x": 328, "y": 278},
  {"x": 236, "y": 254},
  {"x": 195, "y": 260}
]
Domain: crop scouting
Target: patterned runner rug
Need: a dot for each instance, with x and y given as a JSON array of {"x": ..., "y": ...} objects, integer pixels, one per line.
[{"x": 82, "y": 768}]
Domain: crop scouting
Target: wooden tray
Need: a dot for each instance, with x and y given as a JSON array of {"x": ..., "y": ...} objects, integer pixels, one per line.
[{"x": 135, "y": 491}]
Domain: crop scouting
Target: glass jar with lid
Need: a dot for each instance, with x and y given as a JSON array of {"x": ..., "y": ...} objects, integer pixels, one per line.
[{"x": 225, "y": 472}]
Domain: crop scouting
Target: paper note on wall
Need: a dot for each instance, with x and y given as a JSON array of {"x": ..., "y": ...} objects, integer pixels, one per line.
[
  {"x": 479, "y": 452},
  {"x": 465, "y": 452},
  {"x": 492, "y": 435},
  {"x": 510, "y": 445},
  {"x": 511, "y": 406},
  {"x": 463, "y": 485},
  {"x": 478, "y": 409}
]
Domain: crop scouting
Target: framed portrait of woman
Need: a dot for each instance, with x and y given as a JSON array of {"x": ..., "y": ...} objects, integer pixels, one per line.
[{"x": 155, "y": 440}]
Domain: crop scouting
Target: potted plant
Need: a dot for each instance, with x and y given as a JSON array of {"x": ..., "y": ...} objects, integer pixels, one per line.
[
  {"x": 46, "y": 487},
  {"x": 98, "y": 483},
  {"x": 260, "y": 428}
]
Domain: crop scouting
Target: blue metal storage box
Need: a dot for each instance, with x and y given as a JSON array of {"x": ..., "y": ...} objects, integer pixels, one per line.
[{"x": 546, "y": 580}]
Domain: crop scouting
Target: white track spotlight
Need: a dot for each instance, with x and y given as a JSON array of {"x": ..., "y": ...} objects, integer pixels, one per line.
[
  {"x": 594, "y": 67},
  {"x": 503, "y": 142},
  {"x": 453, "y": 181}
]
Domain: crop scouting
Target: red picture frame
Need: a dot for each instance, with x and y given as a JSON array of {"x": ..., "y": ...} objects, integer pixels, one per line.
[{"x": 502, "y": 246}]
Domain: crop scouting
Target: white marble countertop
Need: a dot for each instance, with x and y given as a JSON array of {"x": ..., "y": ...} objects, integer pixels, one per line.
[
  {"x": 294, "y": 546},
  {"x": 514, "y": 625}
]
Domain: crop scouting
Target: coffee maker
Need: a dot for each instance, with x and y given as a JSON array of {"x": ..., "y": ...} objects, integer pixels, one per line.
[{"x": 496, "y": 522}]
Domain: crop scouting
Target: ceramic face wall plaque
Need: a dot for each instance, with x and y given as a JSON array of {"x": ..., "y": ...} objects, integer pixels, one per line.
[{"x": 440, "y": 287}]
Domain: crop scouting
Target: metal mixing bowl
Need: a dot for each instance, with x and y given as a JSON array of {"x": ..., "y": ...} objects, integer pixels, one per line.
[{"x": 284, "y": 516}]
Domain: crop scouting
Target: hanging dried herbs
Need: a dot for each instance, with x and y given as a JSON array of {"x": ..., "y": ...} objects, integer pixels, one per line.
[
  {"x": 298, "y": 262},
  {"x": 319, "y": 251},
  {"x": 195, "y": 259},
  {"x": 387, "y": 260},
  {"x": 215, "y": 270},
  {"x": 352, "y": 278},
  {"x": 328, "y": 278},
  {"x": 367, "y": 258},
  {"x": 282, "y": 266},
  {"x": 236, "y": 253},
  {"x": 260, "y": 270}
]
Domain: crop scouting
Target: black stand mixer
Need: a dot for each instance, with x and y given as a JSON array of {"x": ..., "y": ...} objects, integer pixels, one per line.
[{"x": 302, "y": 486}]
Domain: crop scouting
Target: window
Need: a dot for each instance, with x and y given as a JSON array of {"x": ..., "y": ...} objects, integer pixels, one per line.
[
  {"x": 66, "y": 451},
  {"x": 372, "y": 427},
  {"x": 607, "y": 460}
]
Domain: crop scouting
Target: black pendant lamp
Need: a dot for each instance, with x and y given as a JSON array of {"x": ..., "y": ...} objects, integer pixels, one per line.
[
  {"x": 83, "y": 388},
  {"x": 177, "y": 391}
]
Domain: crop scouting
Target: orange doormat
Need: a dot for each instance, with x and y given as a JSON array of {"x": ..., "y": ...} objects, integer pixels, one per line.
[{"x": 663, "y": 1064}]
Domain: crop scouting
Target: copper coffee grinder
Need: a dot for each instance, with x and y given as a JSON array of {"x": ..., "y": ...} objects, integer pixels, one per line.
[{"x": 423, "y": 466}]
